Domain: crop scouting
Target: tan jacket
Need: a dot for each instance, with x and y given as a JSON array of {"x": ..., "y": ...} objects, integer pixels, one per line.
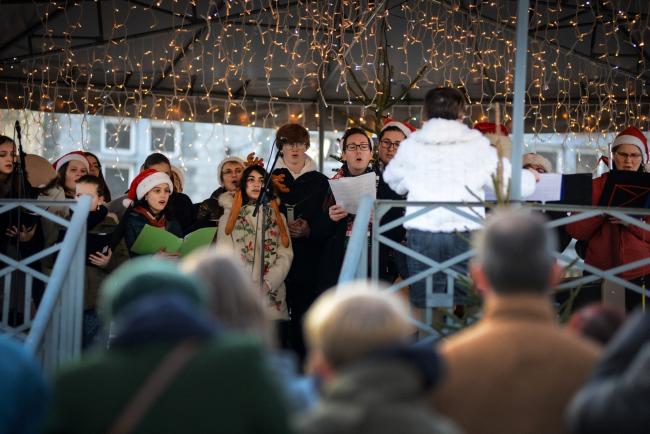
[{"x": 515, "y": 371}]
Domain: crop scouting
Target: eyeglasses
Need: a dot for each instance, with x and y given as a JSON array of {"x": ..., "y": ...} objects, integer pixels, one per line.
[
  {"x": 535, "y": 167},
  {"x": 357, "y": 147},
  {"x": 625, "y": 155},
  {"x": 229, "y": 172},
  {"x": 296, "y": 145},
  {"x": 387, "y": 144}
]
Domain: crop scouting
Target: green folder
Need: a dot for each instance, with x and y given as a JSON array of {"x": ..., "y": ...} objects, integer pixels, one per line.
[{"x": 152, "y": 240}]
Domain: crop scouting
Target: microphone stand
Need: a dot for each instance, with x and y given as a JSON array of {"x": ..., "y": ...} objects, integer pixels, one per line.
[
  {"x": 22, "y": 191},
  {"x": 262, "y": 200}
]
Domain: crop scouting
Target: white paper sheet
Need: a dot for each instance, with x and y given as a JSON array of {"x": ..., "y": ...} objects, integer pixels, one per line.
[
  {"x": 349, "y": 191},
  {"x": 548, "y": 189}
]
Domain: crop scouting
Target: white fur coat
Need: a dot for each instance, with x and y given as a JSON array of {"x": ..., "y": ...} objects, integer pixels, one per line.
[{"x": 439, "y": 163}]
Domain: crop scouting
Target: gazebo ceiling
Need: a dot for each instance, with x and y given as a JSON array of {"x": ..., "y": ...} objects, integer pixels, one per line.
[{"x": 199, "y": 60}]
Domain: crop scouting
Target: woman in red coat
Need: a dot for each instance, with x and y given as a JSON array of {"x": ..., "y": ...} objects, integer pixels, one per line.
[{"x": 611, "y": 242}]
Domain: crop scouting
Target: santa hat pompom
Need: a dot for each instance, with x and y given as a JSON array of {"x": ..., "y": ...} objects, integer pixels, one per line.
[{"x": 144, "y": 183}]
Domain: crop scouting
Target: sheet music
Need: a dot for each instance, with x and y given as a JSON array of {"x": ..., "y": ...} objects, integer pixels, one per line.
[
  {"x": 548, "y": 189},
  {"x": 349, "y": 191}
]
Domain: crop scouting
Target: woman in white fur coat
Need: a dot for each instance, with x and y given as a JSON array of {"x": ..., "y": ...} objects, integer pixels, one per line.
[
  {"x": 242, "y": 233},
  {"x": 445, "y": 161}
]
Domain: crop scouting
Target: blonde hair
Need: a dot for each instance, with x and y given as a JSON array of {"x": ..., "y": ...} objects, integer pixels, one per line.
[
  {"x": 236, "y": 302},
  {"x": 353, "y": 320}
]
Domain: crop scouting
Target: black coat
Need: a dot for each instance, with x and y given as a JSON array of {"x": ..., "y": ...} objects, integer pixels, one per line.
[
  {"x": 306, "y": 195},
  {"x": 615, "y": 398},
  {"x": 390, "y": 263}
]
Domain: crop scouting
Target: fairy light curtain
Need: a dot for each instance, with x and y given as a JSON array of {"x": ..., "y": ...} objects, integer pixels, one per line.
[{"x": 264, "y": 63}]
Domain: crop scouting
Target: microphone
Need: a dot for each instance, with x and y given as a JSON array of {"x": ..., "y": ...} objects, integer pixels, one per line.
[
  {"x": 280, "y": 141},
  {"x": 17, "y": 128}
]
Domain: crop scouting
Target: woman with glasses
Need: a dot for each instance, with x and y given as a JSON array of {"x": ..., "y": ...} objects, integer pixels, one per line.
[
  {"x": 391, "y": 264},
  {"x": 335, "y": 225},
  {"x": 611, "y": 242},
  {"x": 302, "y": 203}
]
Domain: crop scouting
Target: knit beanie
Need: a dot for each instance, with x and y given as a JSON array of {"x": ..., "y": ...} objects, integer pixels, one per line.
[
  {"x": 228, "y": 160},
  {"x": 632, "y": 136},
  {"x": 144, "y": 183},
  {"x": 71, "y": 156},
  {"x": 144, "y": 276},
  {"x": 404, "y": 127}
]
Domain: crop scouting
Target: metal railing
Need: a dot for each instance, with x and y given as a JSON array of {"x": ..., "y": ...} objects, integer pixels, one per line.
[
  {"x": 355, "y": 264},
  {"x": 53, "y": 335}
]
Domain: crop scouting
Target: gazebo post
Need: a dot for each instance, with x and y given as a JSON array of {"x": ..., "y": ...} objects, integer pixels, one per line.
[
  {"x": 519, "y": 99},
  {"x": 321, "y": 135}
]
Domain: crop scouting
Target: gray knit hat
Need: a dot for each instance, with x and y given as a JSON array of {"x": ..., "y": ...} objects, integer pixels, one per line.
[{"x": 229, "y": 160}]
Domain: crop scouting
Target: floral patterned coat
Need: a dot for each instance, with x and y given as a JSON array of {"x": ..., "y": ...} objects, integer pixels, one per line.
[{"x": 277, "y": 258}]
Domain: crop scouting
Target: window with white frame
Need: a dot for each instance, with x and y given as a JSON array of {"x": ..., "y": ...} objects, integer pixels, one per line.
[
  {"x": 118, "y": 136},
  {"x": 117, "y": 177},
  {"x": 586, "y": 160},
  {"x": 165, "y": 137}
]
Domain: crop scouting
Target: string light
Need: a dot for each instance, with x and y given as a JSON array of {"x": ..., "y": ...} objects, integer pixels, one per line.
[{"x": 207, "y": 68}]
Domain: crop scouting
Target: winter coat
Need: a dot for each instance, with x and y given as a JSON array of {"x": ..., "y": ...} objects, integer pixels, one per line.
[
  {"x": 610, "y": 245},
  {"x": 377, "y": 395},
  {"x": 135, "y": 223},
  {"x": 51, "y": 229},
  {"x": 446, "y": 161},
  {"x": 95, "y": 275},
  {"x": 209, "y": 211},
  {"x": 515, "y": 371},
  {"x": 224, "y": 388},
  {"x": 389, "y": 267},
  {"x": 307, "y": 191},
  {"x": 245, "y": 240},
  {"x": 615, "y": 399},
  {"x": 332, "y": 237},
  {"x": 25, "y": 394}
]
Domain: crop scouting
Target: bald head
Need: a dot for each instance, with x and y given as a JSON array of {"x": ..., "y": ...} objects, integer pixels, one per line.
[{"x": 514, "y": 252}]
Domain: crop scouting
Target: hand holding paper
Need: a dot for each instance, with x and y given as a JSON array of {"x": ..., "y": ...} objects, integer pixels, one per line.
[{"x": 349, "y": 191}]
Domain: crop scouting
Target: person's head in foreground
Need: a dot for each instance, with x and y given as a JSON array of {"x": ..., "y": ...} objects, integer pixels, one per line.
[
  {"x": 598, "y": 322},
  {"x": 351, "y": 322},
  {"x": 514, "y": 255},
  {"x": 235, "y": 302}
]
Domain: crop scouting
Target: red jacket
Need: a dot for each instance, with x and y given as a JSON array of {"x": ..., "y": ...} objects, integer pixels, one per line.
[{"x": 611, "y": 245}]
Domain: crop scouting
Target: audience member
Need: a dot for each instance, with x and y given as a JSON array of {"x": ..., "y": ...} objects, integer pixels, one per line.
[
  {"x": 302, "y": 202},
  {"x": 168, "y": 369},
  {"x": 374, "y": 382},
  {"x": 24, "y": 394},
  {"x": 597, "y": 321},
  {"x": 515, "y": 371},
  {"x": 238, "y": 305},
  {"x": 615, "y": 399},
  {"x": 445, "y": 161}
]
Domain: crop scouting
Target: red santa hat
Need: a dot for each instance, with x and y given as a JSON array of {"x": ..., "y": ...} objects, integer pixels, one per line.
[
  {"x": 71, "y": 156},
  {"x": 491, "y": 128},
  {"x": 404, "y": 127},
  {"x": 144, "y": 183},
  {"x": 632, "y": 136}
]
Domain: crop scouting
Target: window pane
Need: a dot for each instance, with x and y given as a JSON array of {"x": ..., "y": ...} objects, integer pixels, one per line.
[
  {"x": 118, "y": 136},
  {"x": 117, "y": 179},
  {"x": 586, "y": 163},
  {"x": 162, "y": 139}
]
